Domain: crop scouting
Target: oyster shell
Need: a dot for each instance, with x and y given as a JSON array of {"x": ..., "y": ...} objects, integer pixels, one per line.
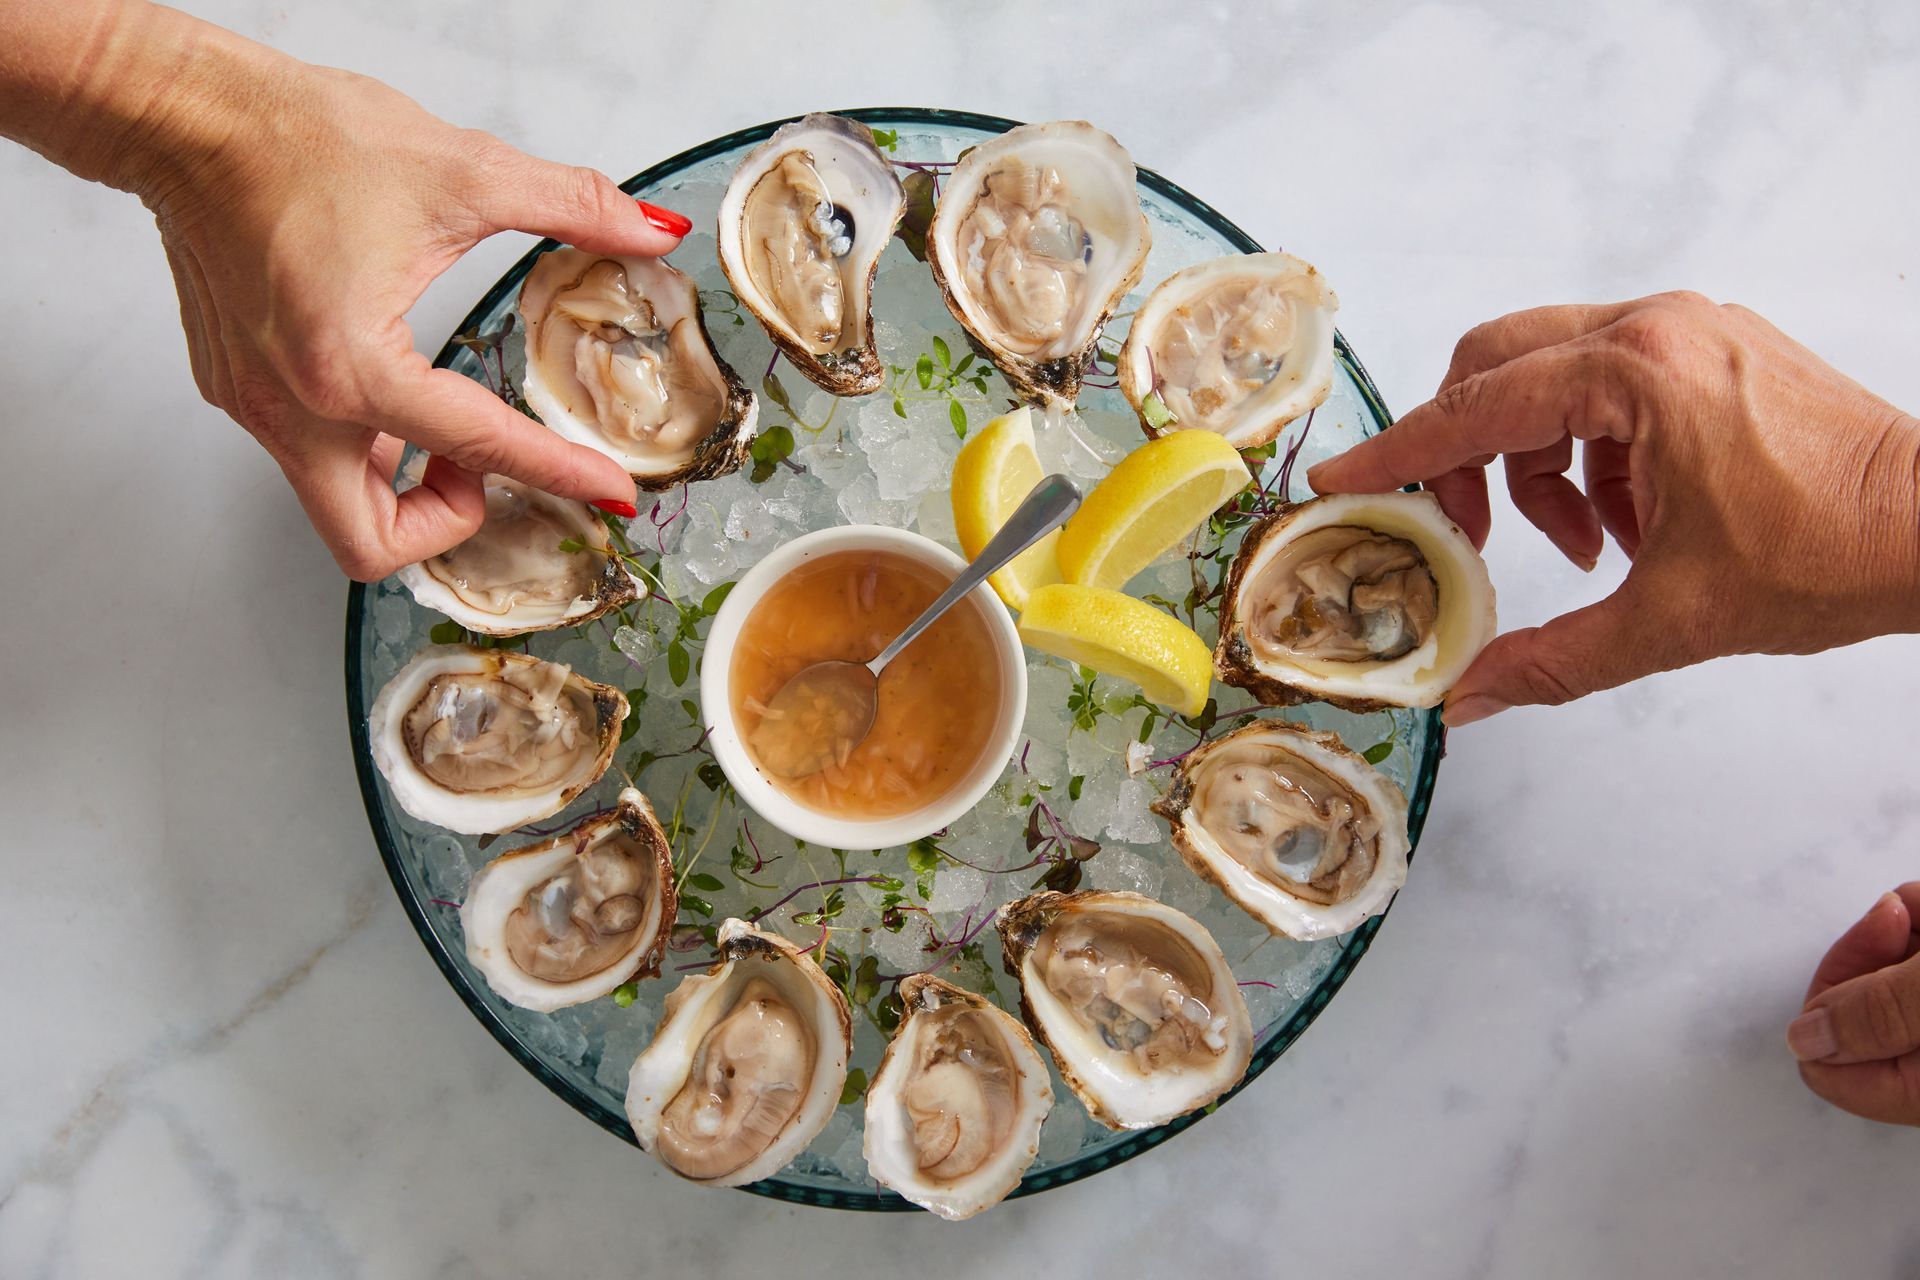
[
  {"x": 619, "y": 359},
  {"x": 802, "y": 227},
  {"x": 1036, "y": 238},
  {"x": 569, "y": 919},
  {"x": 512, "y": 576},
  {"x": 1135, "y": 1001},
  {"x": 1302, "y": 833},
  {"x": 1362, "y": 600},
  {"x": 747, "y": 1064},
  {"x": 955, "y": 1109},
  {"x": 1240, "y": 346},
  {"x": 482, "y": 740}
]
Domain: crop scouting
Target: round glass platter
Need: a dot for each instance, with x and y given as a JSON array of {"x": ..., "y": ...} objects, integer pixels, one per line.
[{"x": 1093, "y": 754}]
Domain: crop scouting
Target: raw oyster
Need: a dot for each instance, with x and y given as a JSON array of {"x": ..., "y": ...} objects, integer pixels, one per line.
[
  {"x": 513, "y": 575},
  {"x": 1135, "y": 1001},
  {"x": 955, "y": 1109},
  {"x": 1305, "y": 835},
  {"x": 802, "y": 227},
  {"x": 1240, "y": 346},
  {"x": 747, "y": 1064},
  {"x": 569, "y": 919},
  {"x": 1361, "y": 600},
  {"x": 1037, "y": 237},
  {"x": 483, "y": 740},
  {"x": 618, "y": 359}
]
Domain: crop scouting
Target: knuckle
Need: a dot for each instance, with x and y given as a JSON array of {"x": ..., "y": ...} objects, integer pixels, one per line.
[
  {"x": 1883, "y": 1016},
  {"x": 364, "y": 565},
  {"x": 258, "y": 401},
  {"x": 1653, "y": 333},
  {"x": 1547, "y": 682},
  {"x": 1472, "y": 353},
  {"x": 591, "y": 193}
]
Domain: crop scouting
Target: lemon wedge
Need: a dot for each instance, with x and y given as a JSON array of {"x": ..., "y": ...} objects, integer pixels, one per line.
[
  {"x": 994, "y": 473},
  {"x": 1117, "y": 635},
  {"x": 1157, "y": 495}
]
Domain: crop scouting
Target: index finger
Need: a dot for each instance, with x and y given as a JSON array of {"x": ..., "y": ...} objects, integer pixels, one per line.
[
  {"x": 1876, "y": 940},
  {"x": 1527, "y": 403}
]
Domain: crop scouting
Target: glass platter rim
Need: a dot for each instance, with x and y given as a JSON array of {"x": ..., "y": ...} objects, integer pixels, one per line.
[{"x": 1269, "y": 1051}]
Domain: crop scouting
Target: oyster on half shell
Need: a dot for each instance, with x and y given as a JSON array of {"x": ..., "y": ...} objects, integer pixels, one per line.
[
  {"x": 1240, "y": 346},
  {"x": 747, "y": 1064},
  {"x": 1133, "y": 998},
  {"x": 802, "y": 227},
  {"x": 955, "y": 1109},
  {"x": 484, "y": 740},
  {"x": 569, "y": 919},
  {"x": 619, "y": 360},
  {"x": 515, "y": 574},
  {"x": 1361, "y": 600},
  {"x": 1036, "y": 238},
  {"x": 1302, "y": 833}
]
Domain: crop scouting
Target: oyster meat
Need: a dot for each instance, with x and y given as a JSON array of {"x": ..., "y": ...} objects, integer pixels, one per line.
[
  {"x": 618, "y": 359},
  {"x": 1240, "y": 346},
  {"x": 515, "y": 575},
  {"x": 1037, "y": 237},
  {"x": 955, "y": 1109},
  {"x": 1302, "y": 833},
  {"x": 1361, "y": 600},
  {"x": 483, "y": 740},
  {"x": 569, "y": 919},
  {"x": 1133, "y": 998},
  {"x": 802, "y": 227},
  {"x": 747, "y": 1064}
]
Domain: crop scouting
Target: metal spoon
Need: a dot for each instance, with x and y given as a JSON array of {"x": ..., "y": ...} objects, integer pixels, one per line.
[{"x": 826, "y": 710}]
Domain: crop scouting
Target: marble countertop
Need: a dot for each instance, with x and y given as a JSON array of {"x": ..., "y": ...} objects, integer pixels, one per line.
[{"x": 228, "y": 1055}]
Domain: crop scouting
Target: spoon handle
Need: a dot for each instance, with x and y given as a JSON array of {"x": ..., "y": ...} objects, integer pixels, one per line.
[{"x": 1044, "y": 510}]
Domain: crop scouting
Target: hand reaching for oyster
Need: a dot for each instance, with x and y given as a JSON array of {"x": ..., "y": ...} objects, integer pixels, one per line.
[
  {"x": 303, "y": 211},
  {"x": 1858, "y": 1039},
  {"x": 1769, "y": 503}
]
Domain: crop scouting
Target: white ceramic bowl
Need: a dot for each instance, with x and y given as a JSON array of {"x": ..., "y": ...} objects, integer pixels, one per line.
[{"x": 802, "y": 821}]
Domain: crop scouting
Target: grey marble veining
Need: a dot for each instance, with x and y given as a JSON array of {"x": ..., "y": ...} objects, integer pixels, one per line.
[{"x": 228, "y": 1055}]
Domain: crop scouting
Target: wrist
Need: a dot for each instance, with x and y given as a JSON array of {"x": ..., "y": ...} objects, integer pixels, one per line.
[{"x": 125, "y": 92}]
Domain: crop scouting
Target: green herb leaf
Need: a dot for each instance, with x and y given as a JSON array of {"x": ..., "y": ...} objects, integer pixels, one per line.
[
  {"x": 855, "y": 1088},
  {"x": 941, "y": 352},
  {"x": 679, "y": 662},
  {"x": 625, "y": 994},
  {"x": 965, "y": 361},
  {"x": 692, "y": 709},
  {"x": 705, "y": 883},
  {"x": 957, "y": 415},
  {"x": 886, "y": 139},
  {"x": 923, "y": 370},
  {"x": 923, "y": 859},
  {"x": 776, "y": 391},
  {"x": 715, "y": 598},
  {"x": 448, "y": 632},
  {"x": 1154, "y": 410},
  {"x": 1074, "y": 784},
  {"x": 899, "y": 407},
  {"x": 572, "y": 546},
  {"x": 1378, "y": 751},
  {"x": 711, "y": 775},
  {"x": 699, "y": 906},
  {"x": 629, "y": 727}
]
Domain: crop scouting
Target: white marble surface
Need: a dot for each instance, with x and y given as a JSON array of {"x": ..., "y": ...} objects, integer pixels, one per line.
[{"x": 227, "y": 1055}]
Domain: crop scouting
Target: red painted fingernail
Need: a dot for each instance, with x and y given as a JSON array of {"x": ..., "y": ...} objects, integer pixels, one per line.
[
  {"x": 613, "y": 506},
  {"x": 674, "y": 224}
]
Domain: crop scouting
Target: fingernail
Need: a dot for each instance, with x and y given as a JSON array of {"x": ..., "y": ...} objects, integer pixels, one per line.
[
  {"x": 613, "y": 506},
  {"x": 1475, "y": 706},
  {"x": 1316, "y": 473},
  {"x": 674, "y": 224},
  {"x": 1587, "y": 563},
  {"x": 1810, "y": 1036}
]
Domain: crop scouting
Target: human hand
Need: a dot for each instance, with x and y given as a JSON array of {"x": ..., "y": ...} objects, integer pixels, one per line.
[
  {"x": 1768, "y": 502},
  {"x": 304, "y": 210},
  {"x": 1858, "y": 1040}
]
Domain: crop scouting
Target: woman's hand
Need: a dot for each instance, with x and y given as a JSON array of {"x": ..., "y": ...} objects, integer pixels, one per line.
[
  {"x": 1768, "y": 503},
  {"x": 304, "y": 210},
  {"x": 1859, "y": 1039}
]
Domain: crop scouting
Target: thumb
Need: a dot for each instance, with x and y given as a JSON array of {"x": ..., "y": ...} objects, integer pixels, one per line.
[
  {"x": 577, "y": 206},
  {"x": 1870, "y": 1018},
  {"x": 1578, "y": 653}
]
